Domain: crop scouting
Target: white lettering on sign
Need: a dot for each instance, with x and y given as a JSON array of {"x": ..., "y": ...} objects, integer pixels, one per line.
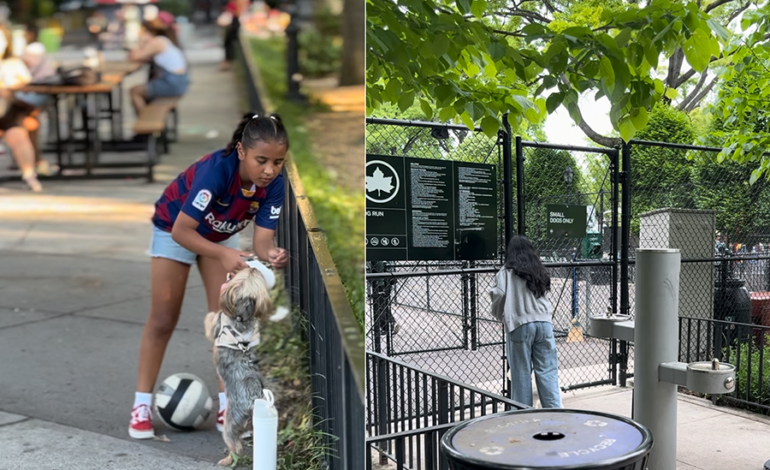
[
  {"x": 598, "y": 447},
  {"x": 375, "y": 213},
  {"x": 561, "y": 220}
]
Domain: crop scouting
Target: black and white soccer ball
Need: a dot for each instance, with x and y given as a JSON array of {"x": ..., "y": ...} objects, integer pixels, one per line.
[{"x": 183, "y": 402}]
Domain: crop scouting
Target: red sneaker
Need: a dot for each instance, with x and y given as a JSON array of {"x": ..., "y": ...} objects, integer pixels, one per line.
[
  {"x": 220, "y": 420},
  {"x": 141, "y": 423}
]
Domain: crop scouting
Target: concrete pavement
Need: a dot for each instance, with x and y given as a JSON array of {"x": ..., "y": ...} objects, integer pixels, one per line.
[
  {"x": 708, "y": 437},
  {"x": 74, "y": 295}
]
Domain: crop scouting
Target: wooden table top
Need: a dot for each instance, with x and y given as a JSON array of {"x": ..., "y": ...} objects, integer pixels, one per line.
[
  {"x": 105, "y": 86},
  {"x": 112, "y": 74}
]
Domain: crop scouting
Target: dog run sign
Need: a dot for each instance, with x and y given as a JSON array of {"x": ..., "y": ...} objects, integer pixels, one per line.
[
  {"x": 423, "y": 209},
  {"x": 566, "y": 221}
]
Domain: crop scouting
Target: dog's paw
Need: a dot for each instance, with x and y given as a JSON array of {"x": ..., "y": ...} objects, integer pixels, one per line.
[
  {"x": 280, "y": 314},
  {"x": 210, "y": 323},
  {"x": 227, "y": 461}
]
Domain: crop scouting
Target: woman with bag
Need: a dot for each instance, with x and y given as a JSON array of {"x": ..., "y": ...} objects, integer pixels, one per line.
[
  {"x": 14, "y": 74},
  {"x": 520, "y": 301}
]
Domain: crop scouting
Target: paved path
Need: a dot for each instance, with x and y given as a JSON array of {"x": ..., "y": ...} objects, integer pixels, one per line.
[{"x": 74, "y": 295}]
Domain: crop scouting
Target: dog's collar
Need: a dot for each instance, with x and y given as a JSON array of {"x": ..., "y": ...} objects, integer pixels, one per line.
[{"x": 229, "y": 337}]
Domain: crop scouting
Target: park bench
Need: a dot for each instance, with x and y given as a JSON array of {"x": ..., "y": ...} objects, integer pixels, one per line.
[{"x": 153, "y": 121}]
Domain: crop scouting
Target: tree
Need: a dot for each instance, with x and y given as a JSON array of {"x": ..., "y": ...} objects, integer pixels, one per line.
[
  {"x": 661, "y": 176},
  {"x": 353, "y": 58},
  {"x": 474, "y": 60}
]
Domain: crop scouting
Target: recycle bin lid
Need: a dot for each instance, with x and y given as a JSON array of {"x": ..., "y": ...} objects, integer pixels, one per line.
[{"x": 548, "y": 439}]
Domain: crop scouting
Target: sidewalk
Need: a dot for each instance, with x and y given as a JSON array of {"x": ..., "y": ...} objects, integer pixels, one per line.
[
  {"x": 74, "y": 296},
  {"x": 708, "y": 437}
]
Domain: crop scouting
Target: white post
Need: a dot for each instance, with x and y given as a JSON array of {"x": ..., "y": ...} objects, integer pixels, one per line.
[
  {"x": 265, "y": 432},
  {"x": 655, "y": 342}
]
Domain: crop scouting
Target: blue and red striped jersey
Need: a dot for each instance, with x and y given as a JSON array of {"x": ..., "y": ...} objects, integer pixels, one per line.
[{"x": 210, "y": 192}]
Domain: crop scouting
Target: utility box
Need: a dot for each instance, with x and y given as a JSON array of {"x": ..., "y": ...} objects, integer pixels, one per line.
[{"x": 691, "y": 232}]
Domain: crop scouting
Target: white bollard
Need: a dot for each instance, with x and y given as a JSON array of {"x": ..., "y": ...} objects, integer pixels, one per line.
[{"x": 265, "y": 418}]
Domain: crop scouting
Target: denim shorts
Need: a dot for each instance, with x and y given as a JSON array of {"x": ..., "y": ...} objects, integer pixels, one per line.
[
  {"x": 163, "y": 246},
  {"x": 167, "y": 84}
]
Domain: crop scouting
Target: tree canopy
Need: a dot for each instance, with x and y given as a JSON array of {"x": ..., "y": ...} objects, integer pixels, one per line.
[{"x": 473, "y": 60}]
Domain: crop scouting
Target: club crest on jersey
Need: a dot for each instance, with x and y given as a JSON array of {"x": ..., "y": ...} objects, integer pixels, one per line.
[
  {"x": 202, "y": 199},
  {"x": 275, "y": 212},
  {"x": 254, "y": 207}
]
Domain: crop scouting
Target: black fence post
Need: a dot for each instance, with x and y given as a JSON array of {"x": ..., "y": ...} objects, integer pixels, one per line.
[
  {"x": 293, "y": 75},
  {"x": 507, "y": 179},
  {"x": 624, "y": 233},
  {"x": 382, "y": 405},
  {"x": 615, "y": 179},
  {"x": 520, "y": 186}
]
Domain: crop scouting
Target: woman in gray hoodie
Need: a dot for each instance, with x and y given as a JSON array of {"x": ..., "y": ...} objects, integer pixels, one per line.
[{"x": 520, "y": 301}]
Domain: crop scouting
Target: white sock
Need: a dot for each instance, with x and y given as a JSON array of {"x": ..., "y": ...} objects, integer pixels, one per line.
[
  {"x": 222, "y": 401},
  {"x": 142, "y": 399}
]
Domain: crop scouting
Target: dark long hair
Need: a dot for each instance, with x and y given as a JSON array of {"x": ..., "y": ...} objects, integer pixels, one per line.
[
  {"x": 156, "y": 27},
  {"x": 521, "y": 258},
  {"x": 254, "y": 128}
]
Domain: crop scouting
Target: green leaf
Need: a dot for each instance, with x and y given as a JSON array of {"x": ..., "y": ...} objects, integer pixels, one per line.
[
  {"x": 490, "y": 126},
  {"x": 755, "y": 175},
  {"x": 606, "y": 73},
  {"x": 692, "y": 21},
  {"x": 440, "y": 46},
  {"x": 405, "y": 101},
  {"x": 671, "y": 93},
  {"x": 496, "y": 50},
  {"x": 553, "y": 102},
  {"x": 659, "y": 86},
  {"x": 426, "y": 49},
  {"x": 717, "y": 27},
  {"x": 697, "y": 50},
  {"x": 639, "y": 118},
  {"x": 478, "y": 8},
  {"x": 626, "y": 128},
  {"x": 427, "y": 109},
  {"x": 443, "y": 93},
  {"x": 447, "y": 114},
  {"x": 392, "y": 90},
  {"x": 466, "y": 119},
  {"x": 475, "y": 110},
  {"x": 532, "y": 115},
  {"x": 622, "y": 38},
  {"x": 574, "y": 112}
]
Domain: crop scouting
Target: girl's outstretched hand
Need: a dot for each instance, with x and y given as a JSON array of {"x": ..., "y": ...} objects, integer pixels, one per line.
[
  {"x": 278, "y": 257},
  {"x": 233, "y": 261}
]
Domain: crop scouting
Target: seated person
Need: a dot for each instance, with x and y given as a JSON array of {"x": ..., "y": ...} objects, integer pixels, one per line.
[
  {"x": 13, "y": 74},
  {"x": 158, "y": 45},
  {"x": 41, "y": 66}
]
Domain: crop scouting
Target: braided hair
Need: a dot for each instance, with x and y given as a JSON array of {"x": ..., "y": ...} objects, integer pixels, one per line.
[{"x": 255, "y": 128}]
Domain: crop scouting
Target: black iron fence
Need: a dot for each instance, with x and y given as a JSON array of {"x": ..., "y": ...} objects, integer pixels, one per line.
[
  {"x": 435, "y": 314},
  {"x": 744, "y": 345},
  {"x": 335, "y": 341},
  {"x": 410, "y": 408}
]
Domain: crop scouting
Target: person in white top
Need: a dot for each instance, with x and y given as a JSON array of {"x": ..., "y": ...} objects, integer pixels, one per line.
[
  {"x": 159, "y": 46},
  {"x": 14, "y": 74}
]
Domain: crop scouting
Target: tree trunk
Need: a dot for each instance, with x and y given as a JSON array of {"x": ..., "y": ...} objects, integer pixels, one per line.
[{"x": 353, "y": 23}]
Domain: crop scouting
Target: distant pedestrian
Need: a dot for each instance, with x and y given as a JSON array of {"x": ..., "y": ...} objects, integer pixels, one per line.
[
  {"x": 520, "y": 301},
  {"x": 196, "y": 221},
  {"x": 230, "y": 19}
]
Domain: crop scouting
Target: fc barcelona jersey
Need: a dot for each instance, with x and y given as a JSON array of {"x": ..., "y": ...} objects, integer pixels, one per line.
[{"x": 210, "y": 192}]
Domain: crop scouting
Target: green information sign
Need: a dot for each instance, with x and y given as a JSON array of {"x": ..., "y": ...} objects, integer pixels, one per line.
[{"x": 565, "y": 221}]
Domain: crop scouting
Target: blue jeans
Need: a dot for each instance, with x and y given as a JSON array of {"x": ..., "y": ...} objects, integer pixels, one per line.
[{"x": 532, "y": 347}]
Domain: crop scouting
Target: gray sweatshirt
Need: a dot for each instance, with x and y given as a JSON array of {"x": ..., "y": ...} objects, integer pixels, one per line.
[{"x": 514, "y": 304}]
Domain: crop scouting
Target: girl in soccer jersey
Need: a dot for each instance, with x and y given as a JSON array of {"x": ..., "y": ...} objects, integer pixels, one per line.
[{"x": 196, "y": 221}]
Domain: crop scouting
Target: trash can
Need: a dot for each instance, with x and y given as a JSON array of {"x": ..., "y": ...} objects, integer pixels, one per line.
[
  {"x": 732, "y": 303},
  {"x": 553, "y": 439}
]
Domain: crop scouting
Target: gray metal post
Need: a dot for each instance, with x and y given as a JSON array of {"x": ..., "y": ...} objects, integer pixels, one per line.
[{"x": 655, "y": 342}]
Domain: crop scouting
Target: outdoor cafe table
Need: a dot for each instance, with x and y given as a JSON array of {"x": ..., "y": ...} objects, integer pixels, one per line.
[{"x": 86, "y": 97}]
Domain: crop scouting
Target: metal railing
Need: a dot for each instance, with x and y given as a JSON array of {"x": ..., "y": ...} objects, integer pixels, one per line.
[
  {"x": 409, "y": 409},
  {"x": 335, "y": 339}
]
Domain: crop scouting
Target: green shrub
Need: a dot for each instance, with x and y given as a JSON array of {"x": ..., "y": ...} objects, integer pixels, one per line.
[
  {"x": 743, "y": 372},
  {"x": 320, "y": 45}
]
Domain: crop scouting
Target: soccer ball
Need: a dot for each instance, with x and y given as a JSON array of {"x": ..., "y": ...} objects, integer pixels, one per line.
[{"x": 183, "y": 402}]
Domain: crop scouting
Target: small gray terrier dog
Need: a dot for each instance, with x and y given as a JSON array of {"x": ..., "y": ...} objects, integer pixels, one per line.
[{"x": 245, "y": 303}]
